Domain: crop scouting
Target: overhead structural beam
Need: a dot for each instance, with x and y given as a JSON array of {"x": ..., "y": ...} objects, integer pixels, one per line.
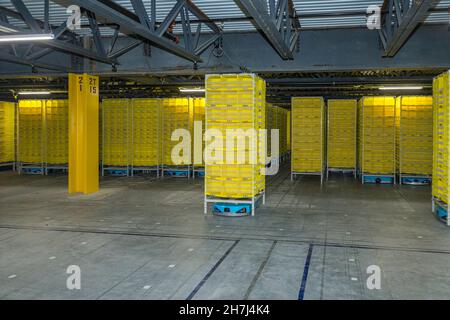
[
  {"x": 130, "y": 26},
  {"x": 280, "y": 24},
  {"x": 96, "y": 34},
  {"x": 168, "y": 20},
  {"x": 399, "y": 20},
  {"x": 199, "y": 50},
  {"x": 360, "y": 46},
  {"x": 77, "y": 50},
  {"x": 39, "y": 54},
  {"x": 139, "y": 8},
  {"x": 26, "y": 15},
  {"x": 65, "y": 46},
  {"x": 18, "y": 60},
  {"x": 18, "y": 16},
  {"x": 124, "y": 50},
  {"x": 202, "y": 16}
]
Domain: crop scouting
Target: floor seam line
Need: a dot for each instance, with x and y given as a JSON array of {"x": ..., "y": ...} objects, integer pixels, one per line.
[
  {"x": 301, "y": 292},
  {"x": 260, "y": 270},
  {"x": 183, "y": 236},
  {"x": 210, "y": 272}
]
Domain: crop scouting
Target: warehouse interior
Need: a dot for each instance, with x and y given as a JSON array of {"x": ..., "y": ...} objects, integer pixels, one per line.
[{"x": 347, "y": 202}]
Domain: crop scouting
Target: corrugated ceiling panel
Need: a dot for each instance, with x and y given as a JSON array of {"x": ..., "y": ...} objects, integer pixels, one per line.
[{"x": 219, "y": 9}]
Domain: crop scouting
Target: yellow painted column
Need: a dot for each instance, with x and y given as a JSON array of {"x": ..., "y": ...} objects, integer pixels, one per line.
[{"x": 83, "y": 133}]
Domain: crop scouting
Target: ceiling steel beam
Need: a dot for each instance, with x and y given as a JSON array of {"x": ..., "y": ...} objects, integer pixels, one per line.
[
  {"x": 46, "y": 16},
  {"x": 18, "y": 60},
  {"x": 18, "y": 16},
  {"x": 360, "y": 46},
  {"x": 401, "y": 20},
  {"x": 139, "y": 9},
  {"x": 170, "y": 18},
  {"x": 96, "y": 34},
  {"x": 39, "y": 54},
  {"x": 202, "y": 16},
  {"x": 270, "y": 24},
  {"x": 130, "y": 26},
  {"x": 77, "y": 50},
  {"x": 26, "y": 15},
  {"x": 199, "y": 50},
  {"x": 65, "y": 46},
  {"x": 124, "y": 50}
]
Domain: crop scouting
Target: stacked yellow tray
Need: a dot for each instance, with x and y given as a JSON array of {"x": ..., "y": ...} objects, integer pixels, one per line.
[
  {"x": 276, "y": 118},
  {"x": 31, "y": 132},
  {"x": 342, "y": 132},
  {"x": 177, "y": 113},
  {"x": 236, "y": 101},
  {"x": 145, "y": 132},
  {"x": 441, "y": 156},
  {"x": 415, "y": 135},
  {"x": 198, "y": 107},
  {"x": 288, "y": 131},
  {"x": 377, "y": 136},
  {"x": 57, "y": 132},
  {"x": 271, "y": 123},
  {"x": 116, "y": 132},
  {"x": 7, "y": 127},
  {"x": 308, "y": 136},
  {"x": 281, "y": 120}
]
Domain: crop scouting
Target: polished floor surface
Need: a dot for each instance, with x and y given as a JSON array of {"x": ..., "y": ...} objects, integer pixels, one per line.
[{"x": 143, "y": 238}]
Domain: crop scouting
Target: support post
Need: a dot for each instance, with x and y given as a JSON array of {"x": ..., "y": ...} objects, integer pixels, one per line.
[{"x": 83, "y": 133}]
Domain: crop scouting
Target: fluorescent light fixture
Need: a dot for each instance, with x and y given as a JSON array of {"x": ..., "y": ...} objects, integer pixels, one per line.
[
  {"x": 26, "y": 37},
  {"x": 402, "y": 88},
  {"x": 192, "y": 90},
  {"x": 34, "y": 93}
]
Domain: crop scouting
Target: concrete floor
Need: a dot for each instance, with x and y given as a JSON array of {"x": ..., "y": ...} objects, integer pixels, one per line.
[{"x": 142, "y": 238}]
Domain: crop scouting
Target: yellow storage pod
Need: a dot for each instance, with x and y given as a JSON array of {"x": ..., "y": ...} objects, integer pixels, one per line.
[
  {"x": 177, "y": 114},
  {"x": 276, "y": 118},
  {"x": 116, "y": 135},
  {"x": 198, "y": 109},
  {"x": 57, "y": 133},
  {"x": 377, "y": 139},
  {"x": 271, "y": 123},
  {"x": 342, "y": 132},
  {"x": 288, "y": 131},
  {"x": 31, "y": 136},
  {"x": 235, "y": 102},
  {"x": 308, "y": 136},
  {"x": 131, "y": 139},
  {"x": 282, "y": 126},
  {"x": 7, "y": 127},
  {"x": 441, "y": 156},
  {"x": 414, "y": 139},
  {"x": 42, "y": 136},
  {"x": 145, "y": 135}
]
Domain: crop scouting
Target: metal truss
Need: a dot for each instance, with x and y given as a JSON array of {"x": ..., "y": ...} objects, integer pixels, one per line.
[
  {"x": 279, "y": 22},
  {"x": 64, "y": 40},
  {"x": 280, "y": 86},
  {"x": 145, "y": 27},
  {"x": 399, "y": 20},
  {"x": 99, "y": 13}
]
